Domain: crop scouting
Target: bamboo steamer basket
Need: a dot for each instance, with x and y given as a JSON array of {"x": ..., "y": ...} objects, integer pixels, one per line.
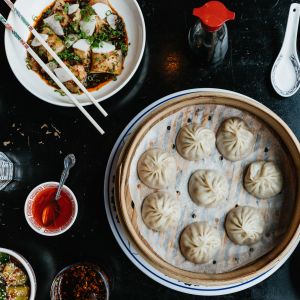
[{"x": 128, "y": 214}]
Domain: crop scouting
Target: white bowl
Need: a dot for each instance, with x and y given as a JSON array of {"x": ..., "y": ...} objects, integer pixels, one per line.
[
  {"x": 16, "y": 53},
  {"x": 28, "y": 209},
  {"x": 27, "y": 267}
]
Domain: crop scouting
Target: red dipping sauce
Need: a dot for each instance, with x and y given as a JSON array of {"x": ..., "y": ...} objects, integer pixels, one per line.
[
  {"x": 65, "y": 204},
  {"x": 43, "y": 199},
  {"x": 40, "y": 199},
  {"x": 38, "y": 202}
]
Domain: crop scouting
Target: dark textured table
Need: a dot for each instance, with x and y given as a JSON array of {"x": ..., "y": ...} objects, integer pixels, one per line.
[{"x": 167, "y": 66}]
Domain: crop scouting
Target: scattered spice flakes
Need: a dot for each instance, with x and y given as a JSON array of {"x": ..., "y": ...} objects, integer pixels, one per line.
[
  {"x": 6, "y": 143},
  {"x": 59, "y": 132},
  {"x": 56, "y": 134}
]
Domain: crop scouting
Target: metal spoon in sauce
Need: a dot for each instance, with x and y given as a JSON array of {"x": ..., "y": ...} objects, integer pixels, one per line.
[
  {"x": 51, "y": 211},
  {"x": 285, "y": 74}
]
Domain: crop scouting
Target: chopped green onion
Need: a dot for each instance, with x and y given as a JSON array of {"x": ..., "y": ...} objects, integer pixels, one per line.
[
  {"x": 124, "y": 49},
  {"x": 58, "y": 17},
  {"x": 68, "y": 55},
  {"x": 4, "y": 258},
  {"x": 61, "y": 92},
  {"x": 66, "y": 7},
  {"x": 87, "y": 12},
  {"x": 108, "y": 13},
  {"x": 28, "y": 66}
]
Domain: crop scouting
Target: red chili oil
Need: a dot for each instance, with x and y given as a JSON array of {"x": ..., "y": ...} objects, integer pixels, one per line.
[
  {"x": 80, "y": 282},
  {"x": 43, "y": 198}
]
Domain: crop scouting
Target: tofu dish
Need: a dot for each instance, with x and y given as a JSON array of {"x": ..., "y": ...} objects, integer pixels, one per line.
[
  {"x": 14, "y": 282},
  {"x": 89, "y": 37}
]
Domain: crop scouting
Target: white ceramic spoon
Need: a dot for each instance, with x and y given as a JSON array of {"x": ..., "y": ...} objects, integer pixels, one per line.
[{"x": 285, "y": 74}]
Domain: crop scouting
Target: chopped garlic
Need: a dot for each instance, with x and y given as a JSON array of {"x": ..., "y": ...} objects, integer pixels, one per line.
[
  {"x": 111, "y": 20},
  {"x": 88, "y": 27},
  {"x": 102, "y": 10},
  {"x": 62, "y": 75},
  {"x": 104, "y": 47},
  {"x": 73, "y": 8},
  {"x": 82, "y": 45},
  {"x": 52, "y": 65},
  {"x": 54, "y": 25},
  {"x": 35, "y": 42}
]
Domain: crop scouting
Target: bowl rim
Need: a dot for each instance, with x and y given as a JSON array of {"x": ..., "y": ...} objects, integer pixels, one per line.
[
  {"x": 256, "y": 109},
  {"x": 74, "y": 199},
  {"x": 71, "y": 105},
  {"x": 28, "y": 268}
]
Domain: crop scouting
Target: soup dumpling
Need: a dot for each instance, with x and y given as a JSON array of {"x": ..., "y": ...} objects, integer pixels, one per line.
[
  {"x": 235, "y": 139},
  {"x": 207, "y": 187},
  {"x": 160, "y": 211},
  {"x": 263, "y": 179},
  {"x": 244, "y": 225},
  {"x": 199, "y": 242},
  {"x": 193, "y": 142},
  {"x": 157, "y": 168}
]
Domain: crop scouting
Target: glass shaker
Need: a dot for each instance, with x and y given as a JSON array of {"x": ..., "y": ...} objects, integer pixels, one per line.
[
  {"x": 208, "y": 38},
  {"x": 6, "y": 171},
  {"x": 18, "y": 170}
]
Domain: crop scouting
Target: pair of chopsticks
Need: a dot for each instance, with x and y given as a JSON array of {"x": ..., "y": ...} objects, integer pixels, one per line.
[{"x": 58, "y": 60}]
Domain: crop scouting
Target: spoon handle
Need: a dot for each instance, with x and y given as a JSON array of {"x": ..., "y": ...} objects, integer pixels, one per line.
[
  {"x": 63, "y": 178},
  {"x": 290, "y": 37},
  {"x": 69, "y": 163}
]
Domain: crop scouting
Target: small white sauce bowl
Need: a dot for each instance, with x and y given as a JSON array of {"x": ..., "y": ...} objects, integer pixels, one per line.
[
  {"x": 28, "y": 210},
  {"x": 26, "y": 265}
]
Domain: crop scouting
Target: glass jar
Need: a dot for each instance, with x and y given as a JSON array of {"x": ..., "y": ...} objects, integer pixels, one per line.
[{"x": 81, "y": 281}]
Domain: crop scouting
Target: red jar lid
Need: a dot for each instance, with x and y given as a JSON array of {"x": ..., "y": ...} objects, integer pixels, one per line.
[{"x": 213, "y": 15}]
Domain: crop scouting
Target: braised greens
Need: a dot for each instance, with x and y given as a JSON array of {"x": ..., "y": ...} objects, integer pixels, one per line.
[{"x": 13, "y": 280}]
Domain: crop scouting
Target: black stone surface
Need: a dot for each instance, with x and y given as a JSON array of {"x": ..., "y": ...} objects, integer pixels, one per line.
[{"x": 167, "y": 67}]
